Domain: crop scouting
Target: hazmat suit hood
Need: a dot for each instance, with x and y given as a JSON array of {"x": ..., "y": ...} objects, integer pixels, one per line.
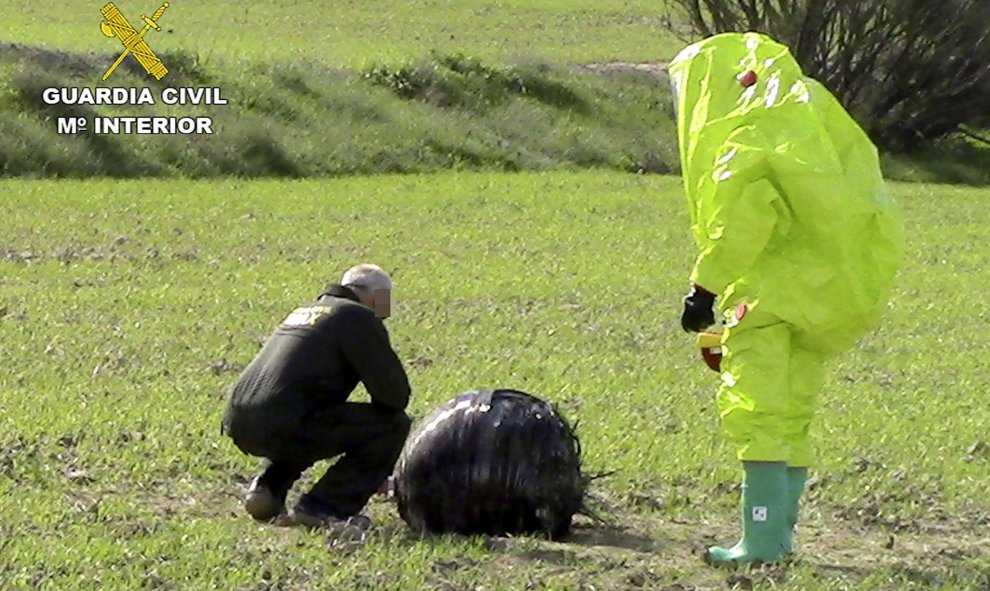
[{"x": 786, "y": 199}]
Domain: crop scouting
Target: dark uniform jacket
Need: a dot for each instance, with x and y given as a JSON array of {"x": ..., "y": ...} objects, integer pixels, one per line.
[{"x": 314, "y": 360}]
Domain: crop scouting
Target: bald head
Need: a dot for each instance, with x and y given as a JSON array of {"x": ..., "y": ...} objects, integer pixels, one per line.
[{"x": 372, "y": 285}]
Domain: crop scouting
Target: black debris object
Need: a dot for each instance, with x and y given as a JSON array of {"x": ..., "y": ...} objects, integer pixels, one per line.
[{"x": 492, "y": 462}]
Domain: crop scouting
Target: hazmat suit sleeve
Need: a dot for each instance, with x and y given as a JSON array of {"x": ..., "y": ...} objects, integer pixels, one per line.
[{"x": 736, "y": 213}]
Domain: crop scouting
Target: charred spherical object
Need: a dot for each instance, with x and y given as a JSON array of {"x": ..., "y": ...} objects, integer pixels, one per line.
[{"x": 493, "y": 462}]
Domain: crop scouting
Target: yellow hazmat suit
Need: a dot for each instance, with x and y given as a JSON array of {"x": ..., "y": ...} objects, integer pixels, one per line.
[{"x": 797, "y": 234}]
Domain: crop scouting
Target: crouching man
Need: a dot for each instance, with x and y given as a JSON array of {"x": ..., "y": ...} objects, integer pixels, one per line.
[{"x": 290, "y": 406}]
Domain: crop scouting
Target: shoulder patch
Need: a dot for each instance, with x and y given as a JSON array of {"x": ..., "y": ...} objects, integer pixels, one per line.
[{"x": 306, "y": 316}]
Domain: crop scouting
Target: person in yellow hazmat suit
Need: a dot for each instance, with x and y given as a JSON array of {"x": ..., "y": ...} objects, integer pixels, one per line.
[{"x": 799, "y": 242}]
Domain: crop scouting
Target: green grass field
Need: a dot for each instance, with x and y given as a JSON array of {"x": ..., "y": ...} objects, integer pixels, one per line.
[
  {"x": 129, "y": 307},
  {"x": 353, "y": 33},
  {"x": 525, "y": 255}
]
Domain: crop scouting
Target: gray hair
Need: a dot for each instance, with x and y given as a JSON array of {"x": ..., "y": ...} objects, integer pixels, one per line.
[{"x": 368, "y": 276}]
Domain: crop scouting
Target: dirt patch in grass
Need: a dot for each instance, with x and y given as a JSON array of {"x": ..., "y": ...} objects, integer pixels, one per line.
[{"x": 656, "y": 70}]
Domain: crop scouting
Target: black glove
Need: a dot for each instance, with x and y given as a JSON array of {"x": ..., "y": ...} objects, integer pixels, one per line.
[{"x": 699, "y": 309}]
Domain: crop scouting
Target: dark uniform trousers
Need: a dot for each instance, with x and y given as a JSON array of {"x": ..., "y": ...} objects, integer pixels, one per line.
[{"x": 368, "y": 438}]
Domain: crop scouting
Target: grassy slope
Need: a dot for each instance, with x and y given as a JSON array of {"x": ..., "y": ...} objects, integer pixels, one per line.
[
  {"x": 295, "y": 113},
  {"x": 444, "y": 111},
  {"x": 304, "y": 120},
  {"x": 126, "y": 315}
]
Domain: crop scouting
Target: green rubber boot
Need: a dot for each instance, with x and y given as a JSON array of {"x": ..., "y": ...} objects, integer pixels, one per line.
[
  {"x": 765, "y": 515},
  {"x": 796, "y": 478}
]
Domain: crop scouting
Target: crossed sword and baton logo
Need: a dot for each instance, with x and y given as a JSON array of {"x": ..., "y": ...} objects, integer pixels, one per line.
[{"x": 116, "y": 25}]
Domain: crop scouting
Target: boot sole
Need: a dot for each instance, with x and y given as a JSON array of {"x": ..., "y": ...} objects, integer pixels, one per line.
[{"x": 784, "y": 558}]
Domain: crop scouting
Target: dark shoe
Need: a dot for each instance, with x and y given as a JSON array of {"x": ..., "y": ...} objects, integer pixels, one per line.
[
  {"x": 261, "y": 503},
  {"x": 311, "y": 512}
]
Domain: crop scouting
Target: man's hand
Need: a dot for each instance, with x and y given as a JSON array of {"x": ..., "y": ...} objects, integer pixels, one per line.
[{"x": 699, "y": 309}]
